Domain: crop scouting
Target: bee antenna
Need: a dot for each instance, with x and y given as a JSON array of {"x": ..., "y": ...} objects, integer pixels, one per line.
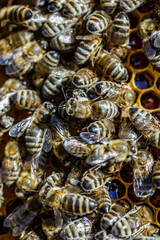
[{"x": 65, "y": 97}]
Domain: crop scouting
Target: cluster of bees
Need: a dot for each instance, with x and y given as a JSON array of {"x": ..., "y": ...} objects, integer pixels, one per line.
[{"x": 82, "y": 117}]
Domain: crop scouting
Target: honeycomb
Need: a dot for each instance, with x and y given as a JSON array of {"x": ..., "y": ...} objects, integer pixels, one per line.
[{"x": 145, "y": 80}]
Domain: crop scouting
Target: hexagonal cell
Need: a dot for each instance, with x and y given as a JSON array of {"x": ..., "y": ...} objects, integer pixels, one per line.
[
  {"x": 116, "y": 189},
  {"x": 150, "y": 100},
  {"x": 127, "y": 173},
  {"x": 155, "y": 199},
  {"x": 138, "y": 60},
  {"x": 143, "y": 80},
  {"x": 158, "y": 83},
  {"x": 133, "y": 20},
  {"x": 132, "y": 195},
  {"x": 3, "y": 230},
  {"x": 147, "y": 7},
  {"x": 12, "y": 205},
  {"x": 135, "y": 41}
]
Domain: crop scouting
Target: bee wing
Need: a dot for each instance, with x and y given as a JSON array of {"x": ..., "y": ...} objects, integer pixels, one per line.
[
  {"x": 7, "y": 58},
  {"x": 58, "y": 218},
  {"x": 47, "y": 145},
  {"x": 92, "y": 138},
  {"x": 18, "y": 129},
  {"x": 149, "y": 50},
  {"x": 60, "y": 126}
]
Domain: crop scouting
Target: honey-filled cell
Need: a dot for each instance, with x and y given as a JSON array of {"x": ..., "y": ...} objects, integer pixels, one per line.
[
  {"x": 150, "y": 100},
  {"x": 147, "y": 6},
  {"x": 138, "y": 60},
  {"x": 132, "y": 196},
  {"x": 127, "y": 173},
  {"x": 116, "y": 189},
  {"x": 135, "y": 41},
  {"x": 155, "y": 199},
  {"x": 3, "y": 230},
  {"x": 143, "y": 80},
  {"x": 133, "y": 18}
]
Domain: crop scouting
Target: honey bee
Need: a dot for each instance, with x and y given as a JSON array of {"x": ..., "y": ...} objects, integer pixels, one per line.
[
  {"x": 22, "y": 59},
  {"x": 57, "y": 24},
  {"x": 53, "y": 180},
  {"x": 121, "y": 95},
  {"x": 11, "y": 164},
  {"x": 29, "y": 235},
  {"x": 109, "y": 65},
  {"x": 103, "y": 200},
  {"x": 120, "y": 30},
  {"x": 103, "y": 235},
  {"x": 48, "y": 63},
  {"x": 98, "y": 22},
  {"x": 146, "y": 238},
  {"x": 16, "y": 13},
  {"x": 80, "y": 228},
  {"x": 114, "y": 150},
  {"x": 156, "y": 174},
  {"x": 148, "y": 232},
  {"x": 74, "y": 93},
  {"x": 103, "y": 128},
  {"x": 146, "y": 124},
  {"x": 1, "y": 191},
  {"x": 75, "y": 8},
  {"x": 86, "y": 49},
  {"x": 83, "y": 108},
  {"x": 55, "y": 5},
  {"x": 55, "y": 80},
  {"x": 15, "y": 40},
  {"x": 63, "y": 113},
  {"x": 22, "y": 216},
  {"x": 116, "y": 212},
  {"x": 77, "y": 147},
  {"x": 154, "y": 38},
  {"x": 135, "y": 221},
  {"x": 37, "y": 136},
  {"x": 6, "y": 122},
  {"x": 123, "y": 5},
  {"x": 84, "y": 78},
  {"x": 92, "y": 180},
  {"x": 65, "y": 41},
  {"x": 11, "y": 85},
  {"x": 142, "y": 183},
  {"x": 120, "y": 52}
]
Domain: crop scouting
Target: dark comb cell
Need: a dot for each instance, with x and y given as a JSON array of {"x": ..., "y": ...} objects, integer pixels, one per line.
[
  {"x": 147, "y": 7},
  {"x": 116, "y": 189},
  {"x": 127, "y": 173},
  {"x": 3, "y": 230},
  {"x": 158, "y": 83},
  {"x": 150, "y": 100},
  {"x": 135, "y": 41},
  {"x": 138, "y": 60},
  {"x": 155, "y": 199},
  {"x": 133, "y": 20},
  {"x": 132, "y": 195},
  {"x": 143, "y": 80}
]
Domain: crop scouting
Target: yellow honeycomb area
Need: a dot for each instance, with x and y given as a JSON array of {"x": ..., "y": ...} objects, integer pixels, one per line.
[{"x": 146, "y": 82}]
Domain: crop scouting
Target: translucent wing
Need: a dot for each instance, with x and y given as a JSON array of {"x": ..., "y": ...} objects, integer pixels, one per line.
[
  {"x": 47, "y": 145},
  {"x": 18, "y": 129},
  {"x": 149, "y": 50},
  {"x": 60, "y": 126},
  {"x": 92, "y": 138},
  {"x": 7, "y": 58}
]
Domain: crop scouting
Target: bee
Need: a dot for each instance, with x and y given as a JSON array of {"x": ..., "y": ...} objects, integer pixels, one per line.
[
  {"x": 129, "y": 5},
  {"x": 98, "y": 22},
  {"x": 84, "y": 78},
  {"x": 65, "y": 41},
  {"x": 11, "y": 85},
  {"x": 69, "y": 203},
  {"x": 92, "y": 180},
  {"x": 146, "y": 124},
  {"x": 56, "y": 5},
  {"x": 120, "y": 52},
  {"x": 22, "y": 59},
  {"x": 29, "y": 235},
  {"x": 57, "y": 24},
  {"x": 103, "y": 200},
  {"x": 74, "y": 93},
  {"x": 48, "y": 63},
  {"x": 83, "y": 108},
  {"x": 103, "y": 129},
  {"x": 103, "y": 235},
  {"x": 36, "y": 22},
  {"x": 15, "y": 40},
  {"x": 11, "y": 164},
  {"x": 55, "y": 81},
  {"x": 63, "y": 113},
  {"x": 22, "y": 216},
  {"x": 154, "y": 39},
  {"x": 87, "y": 49},
  {"x": 121, "y": 95},
  {"x": 108, "y": 6},
  {"x": 108, "y": 65},
  {"x": 16, "y": 14},
  {"x": 78, "y": 229},
  {"x": 135, "y": 221},
  {"x": 75, "y": 8},
  {"x": 1, "y": 190},
  {"x": 77, "y": 147},
  {"x": 148, "y": 26},
  {"x": 37, "y": 137},
  {"x": 120, "y": 30},
  {"x": 53, "y": 180},
  {"x": 27, "y": 99},
  {"x": 114, "y": 150},
  {"x": 142, "y": 171},
  {"x": 147, "y": 238},
  {"x": 156, "y": 174},
  {"x": 6, "y": 122},
  {"x": 148, "y": 232}
]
